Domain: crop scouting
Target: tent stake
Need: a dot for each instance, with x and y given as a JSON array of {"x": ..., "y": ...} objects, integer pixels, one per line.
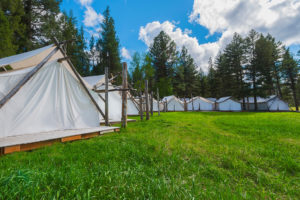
[{"x": 124, "y": 96}]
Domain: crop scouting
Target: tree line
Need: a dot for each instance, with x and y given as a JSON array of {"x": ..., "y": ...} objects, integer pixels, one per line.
[
  {"x": 254, "y": 66},
  {"x": 30, "y": 24}
]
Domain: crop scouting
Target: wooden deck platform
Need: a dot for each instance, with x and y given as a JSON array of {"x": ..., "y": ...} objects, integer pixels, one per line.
[
  {"x": 116, "y": 122},
  {"x": 33, "y": 141}
]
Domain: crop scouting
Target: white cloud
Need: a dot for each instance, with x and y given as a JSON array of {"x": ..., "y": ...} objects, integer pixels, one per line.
[
  {"x": 85, "y": 2},
  {"x": 91, "y": 17},
  {"x": 200, "y": 52},
  {"x": 280, "y": 18},
  {"x": 277, "y": 17},
  {"x": 125, "y": 53}
]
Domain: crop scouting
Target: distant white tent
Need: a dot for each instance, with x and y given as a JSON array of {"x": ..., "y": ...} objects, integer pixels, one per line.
[
  {"x": 155, "y": 106},
  {"x": 173, "y": 103},
  {"x": 272, "y": 103},
  {"x": 200, "y": 103},
  {"x": 228, "y": 104},
  {"x": 52, "y": 99}
]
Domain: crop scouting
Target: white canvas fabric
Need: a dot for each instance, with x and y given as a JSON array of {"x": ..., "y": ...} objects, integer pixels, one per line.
[
  {"x": 277, "y": 104},
  {"x": 173, "y": 103},
  {"x": 200, "y": 103},
  {"x": 132, "y": 108},
  {"x": 114, "y": 105},
  {"x": 155, "y": 106},
  {"x": 51, "y": 100},
  {"x": 228, "y": 104}
]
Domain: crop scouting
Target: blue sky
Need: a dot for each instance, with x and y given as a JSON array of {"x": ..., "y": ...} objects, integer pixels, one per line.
[{"x": 203, "y": 26}]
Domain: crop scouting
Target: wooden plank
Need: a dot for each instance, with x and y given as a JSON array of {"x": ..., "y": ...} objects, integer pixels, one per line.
[
  {"x": 36, "y": 145},
  {"x": 117, "y": 130},
  {"x": 124, "y": 96},
  {"x": 90, "y": 135},
  {"x": 27, "y": 78},
  {"x": 12, "y": 149},
  {"x": 71, "y": 138}
]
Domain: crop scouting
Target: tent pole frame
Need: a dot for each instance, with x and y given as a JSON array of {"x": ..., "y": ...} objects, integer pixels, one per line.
[{"x": 78, "y": 76}]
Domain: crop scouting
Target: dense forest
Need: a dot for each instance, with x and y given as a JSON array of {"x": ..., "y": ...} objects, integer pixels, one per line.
[{"x": 255, "y": 65}]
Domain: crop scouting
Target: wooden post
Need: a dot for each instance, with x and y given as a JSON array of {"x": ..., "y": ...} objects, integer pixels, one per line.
[
  {"x": 151, "y": 104},
  {"x": 124, "y": 96},
  {"x": 141, "y": 106},
  {"x": 192, "y": 102},
  {"x": 185, "y": 106},
  {"x": 106, "y": 97},
  {"x": 147, "y": 100},
  {"x": 166, "y": 106},
  {"x": 158, "y": 109}
]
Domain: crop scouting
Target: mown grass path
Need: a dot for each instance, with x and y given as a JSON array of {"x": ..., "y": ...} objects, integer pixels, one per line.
[{"x": 174, "y": 156}]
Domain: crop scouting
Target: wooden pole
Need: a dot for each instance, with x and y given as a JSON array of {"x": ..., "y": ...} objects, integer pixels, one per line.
[
  {"x": 124, "y": 96},
  {"x": 166, "y": 106},
  {"x": 147, "y": 100},
  {"x": 192, "y": 102},
  {"x": 106, "y": 97},
  {"x": 141, "y": 107},
  {"x": 158, "y": 109},
  {"x": 151, "y": 104},
  {"x": 27, "y": 78}
]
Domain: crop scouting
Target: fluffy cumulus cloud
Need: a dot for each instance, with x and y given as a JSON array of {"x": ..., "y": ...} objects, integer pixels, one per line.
[
  {"x": 85, "y": 2},
  {"x": 277, "y": 17},
  {"x": 182, "y": 38},
  {"x": 125, "y": 54},
  {"x": 91, "y": 17}
]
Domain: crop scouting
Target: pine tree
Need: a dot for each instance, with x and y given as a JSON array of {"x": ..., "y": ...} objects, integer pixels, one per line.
[
  {"x": 137, "y": 74},
  {"x": 212, "y": 80},
  {"x": 6, "y": 37},
  {"x": 108, "y": 46},
  {"x": 164, "y": 56},
  {"x": 290, "y": 71},
  {"x": 201, "y": 84},
  {"x": 40, "y": 21},
  {"x": 148, "y": 72},
  {"x": 14, "y": 11}
]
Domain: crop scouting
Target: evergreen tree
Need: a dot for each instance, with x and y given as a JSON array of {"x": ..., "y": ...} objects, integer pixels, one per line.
[
  {"x": 185, "y": 75},
  {"x": 201, "y": 84},
  {"x": 164, "y": 56},
  {"x": 290, "y": 71},
  {"x": 40, "y": 21},
  {"x": 137, "y": 74},
  {"x": 93, "y": 53},
  {"x": 148, "y": 72},
  {"x": 6, "y": 37},
  {"x": 14, "y": 11},
  {"x": 108, "y": 46},
  {"x": 252, "y": 70},
  {"x": 212, "y": 81}
]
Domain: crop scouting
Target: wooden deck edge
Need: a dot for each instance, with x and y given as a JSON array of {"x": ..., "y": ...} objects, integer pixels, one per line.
[{"x": 37, "y": 145}]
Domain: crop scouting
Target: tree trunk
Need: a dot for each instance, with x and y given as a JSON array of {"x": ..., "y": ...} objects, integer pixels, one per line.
[{"x": 293, "y": 88}]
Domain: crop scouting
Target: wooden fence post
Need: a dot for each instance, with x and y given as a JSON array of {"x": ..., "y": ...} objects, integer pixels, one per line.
[
  {"x": 151, "y": 104},
  {"x": 192, "y": 101},
  {"x": 141, "y": 107},
  {"x": 124, "y": 96},
  {"x": 106, "y": 97},
  {"x": 147, "y": 100},
  {"x": 158, "y": 109}
]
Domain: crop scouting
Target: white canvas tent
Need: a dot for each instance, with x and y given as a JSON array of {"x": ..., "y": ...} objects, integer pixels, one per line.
[
  {"x": 228, "y": 104},
  {"x": 156, "y": 104},
  {"x": 52, "y": 99},
  {"x": 115, "y": 98},
  {"x": 200, "y": 104},
  {"x": 272, "y": 103},
  {"x": 173, "y": 103}
]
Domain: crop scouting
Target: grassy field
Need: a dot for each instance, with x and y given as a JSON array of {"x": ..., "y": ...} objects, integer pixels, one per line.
[{"x": 174, "y": 156}]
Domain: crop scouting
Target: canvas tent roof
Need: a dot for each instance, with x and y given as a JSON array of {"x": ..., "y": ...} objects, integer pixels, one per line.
[
  {"x": 212, "y": 99},
  {"x": 223, "y": 99},
  {"x": 94, "y": 80},
  {"x": 33, "y": 58},
  {"x": 259, "y": 99}
]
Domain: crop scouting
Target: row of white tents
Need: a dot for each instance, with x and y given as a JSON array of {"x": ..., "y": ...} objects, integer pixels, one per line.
[{"x": 272, "y": 103}]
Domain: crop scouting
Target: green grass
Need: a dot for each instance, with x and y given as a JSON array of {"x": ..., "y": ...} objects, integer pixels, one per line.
[{"x": 174, "y": 156}]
